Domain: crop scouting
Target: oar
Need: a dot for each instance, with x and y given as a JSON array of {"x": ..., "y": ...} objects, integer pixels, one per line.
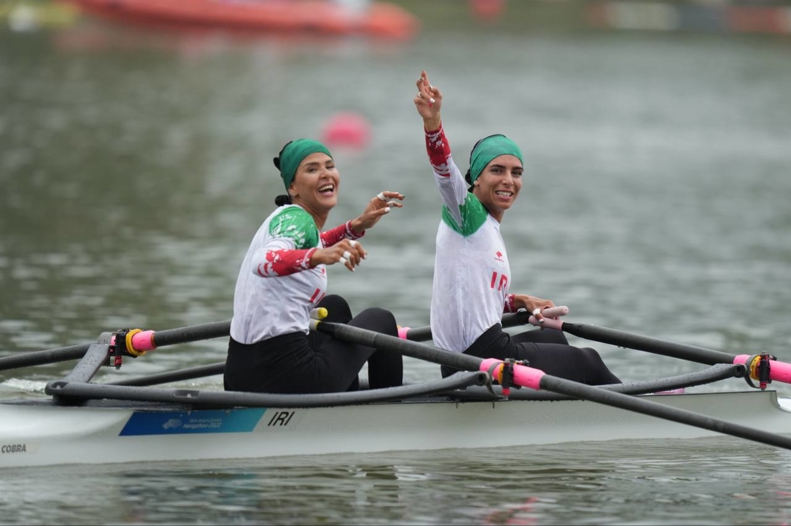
[
  {"x": 138, "y": 342},
  {"x": 422, "y": 334},
  {"x": 535, "y": 379},
  {"x": 142, "y": 341},
  {"x": 756, "y": 364},
  {"x": 773, "y": 369}
]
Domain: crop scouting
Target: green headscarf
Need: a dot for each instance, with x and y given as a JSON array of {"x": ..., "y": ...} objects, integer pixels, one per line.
[
  {"x": 293, "y": 153},
  {"x": 488, "y": 149}
]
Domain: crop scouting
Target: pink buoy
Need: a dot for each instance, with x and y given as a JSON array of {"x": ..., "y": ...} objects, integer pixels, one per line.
[
  {"x": 488, "y": 10},
  {"x": 346, "y": 129}
]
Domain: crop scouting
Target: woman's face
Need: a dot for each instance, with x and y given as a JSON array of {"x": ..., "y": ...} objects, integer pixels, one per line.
[
  {"x": 315, "y": 185},
  {"x": 499, "y": 184}
]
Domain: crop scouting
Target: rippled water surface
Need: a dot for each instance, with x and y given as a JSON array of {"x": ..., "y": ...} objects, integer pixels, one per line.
[
  {"x": 135, "y": 167},
  {"x": 672, "y": 482}
]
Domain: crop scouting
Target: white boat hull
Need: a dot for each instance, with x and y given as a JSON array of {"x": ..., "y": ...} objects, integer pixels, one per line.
[{"x": 42, "y": 435}]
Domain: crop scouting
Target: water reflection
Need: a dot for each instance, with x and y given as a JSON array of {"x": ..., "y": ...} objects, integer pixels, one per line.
[{"x": 581, "y": 484}]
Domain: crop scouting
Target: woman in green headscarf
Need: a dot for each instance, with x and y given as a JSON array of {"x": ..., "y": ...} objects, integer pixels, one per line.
[
  {"x": 283, "y": 278},
  {"x": 471, "y": 270}
]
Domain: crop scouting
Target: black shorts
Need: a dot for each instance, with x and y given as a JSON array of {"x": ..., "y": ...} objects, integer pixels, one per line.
[
  {"x": 544, "y": 349},
  {"x": 315, "y": 362}
]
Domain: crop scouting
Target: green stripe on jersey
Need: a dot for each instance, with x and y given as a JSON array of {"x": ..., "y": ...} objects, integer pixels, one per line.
[
  {"x": 473, "y": 216},
  {"x": 295, "y": 223}
]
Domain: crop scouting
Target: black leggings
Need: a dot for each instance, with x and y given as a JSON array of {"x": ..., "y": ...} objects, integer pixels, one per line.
[
  {"x": 545, "y": 349},
  {"x": 315, "y": 362}
]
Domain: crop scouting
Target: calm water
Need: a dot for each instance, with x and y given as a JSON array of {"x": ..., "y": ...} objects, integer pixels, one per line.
[{"x": 135, "y": 167}]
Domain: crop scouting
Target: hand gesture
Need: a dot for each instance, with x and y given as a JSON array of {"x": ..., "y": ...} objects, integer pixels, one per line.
[
  {"x": 428, "y": 102},
  {"x": 378, "y": 206},
  {"x": 347, "y": 252}
]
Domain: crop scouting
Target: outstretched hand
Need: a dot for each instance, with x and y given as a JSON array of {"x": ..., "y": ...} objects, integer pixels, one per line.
[
  {"x": 428, "y": 102},
  {"x": 377, "y": 207}
]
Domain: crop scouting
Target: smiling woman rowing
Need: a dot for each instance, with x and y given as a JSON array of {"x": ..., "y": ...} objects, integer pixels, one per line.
[
  {"x": 283, "y": 278},
  {"x": 471, "y": 270}
]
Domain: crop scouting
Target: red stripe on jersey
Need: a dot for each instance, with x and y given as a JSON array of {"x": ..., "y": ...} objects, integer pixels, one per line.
[
  {"x": 438, "y": 151},
  {"x": 509, "y": 303},
  {"x": 285, "y": 262},
  {"x": 340, "y": 232}
]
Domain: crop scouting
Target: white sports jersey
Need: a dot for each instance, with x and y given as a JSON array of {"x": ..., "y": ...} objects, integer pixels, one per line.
[
  {"x": 276, "y": 289},
  {"x": 471, "y": 271}
]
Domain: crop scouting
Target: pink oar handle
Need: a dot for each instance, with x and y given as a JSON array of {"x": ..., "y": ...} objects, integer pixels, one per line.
[
  {"x": 550, "y": 314},
  {"x": 523, "y": 376},
  {"x": 555, "y": 312},
  {"x": 779, "y": 371},
  {"x": 548, "y": 323}
]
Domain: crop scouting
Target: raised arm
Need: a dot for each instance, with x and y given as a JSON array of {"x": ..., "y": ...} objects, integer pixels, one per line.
[
  {"x": 428, "y": 103},
  {"x": 450, "y": 182}
]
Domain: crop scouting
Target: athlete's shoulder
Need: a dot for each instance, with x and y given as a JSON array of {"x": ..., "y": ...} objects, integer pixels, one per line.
[
  {"x": 293, "y": 222},
  {"x": 473, "y": 216}
]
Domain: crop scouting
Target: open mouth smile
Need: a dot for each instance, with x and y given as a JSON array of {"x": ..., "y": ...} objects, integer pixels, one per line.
[{"x": 327, "y": 189}]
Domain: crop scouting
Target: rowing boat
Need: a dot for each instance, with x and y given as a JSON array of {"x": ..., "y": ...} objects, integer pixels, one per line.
[
  {"x": 42, "y": 433},
  {"x": 482, "y": 406}
]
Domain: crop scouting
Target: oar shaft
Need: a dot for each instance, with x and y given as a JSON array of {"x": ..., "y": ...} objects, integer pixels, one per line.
[
  {"x": 422, "y": 334},
  {"x": 778, "y": 371},
  {"x": 148, "y": 340},
  {"x": 142, "y": 341},
  {"x": 463, "y": 362},
  {"x": 511, "y": 319},
  {"x": 29, "y": 359},
  {"x": 682, "y": 416},
  {"x": 648, "y": 344}
]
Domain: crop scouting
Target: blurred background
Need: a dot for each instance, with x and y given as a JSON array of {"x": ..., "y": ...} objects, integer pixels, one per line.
[
  {"x": 137, "y": 137},
  {"x": 136, "y": 146}
]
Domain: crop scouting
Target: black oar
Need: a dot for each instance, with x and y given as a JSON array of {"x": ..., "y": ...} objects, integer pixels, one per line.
[
  {"x": 144, "y": 341},
  {"x": 774, "y": 370},
  {"x": 141, "y": 341},
  {"x": 536, "y": 379},
  {"x": 422, "y": 334},
  {"x": 761, "y": 367}
]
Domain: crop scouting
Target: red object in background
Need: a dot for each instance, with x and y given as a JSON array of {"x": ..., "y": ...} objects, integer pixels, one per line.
[
  {"x": 758, "y": 19},
  {"x": 346, "y": 129},
  {"x": 380, "y": 19},
  {"x": 487, "y": 9}
]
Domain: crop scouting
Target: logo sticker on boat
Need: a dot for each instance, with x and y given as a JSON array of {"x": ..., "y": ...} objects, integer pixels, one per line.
[{"x": 186, "y": 422}]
